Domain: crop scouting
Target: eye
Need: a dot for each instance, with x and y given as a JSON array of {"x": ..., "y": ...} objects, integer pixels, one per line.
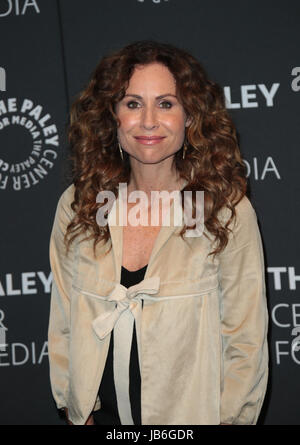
[
  {"x": 166, "y": 102},
  {"x": 132, "y": 102}
]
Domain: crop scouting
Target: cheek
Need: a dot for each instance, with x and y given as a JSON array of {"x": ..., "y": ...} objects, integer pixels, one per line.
[
  {"x": 176, "y": 124},
  {"x": 127, "y": 120}
]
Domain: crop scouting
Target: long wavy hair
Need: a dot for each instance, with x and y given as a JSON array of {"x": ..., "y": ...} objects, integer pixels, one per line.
[{"x": 212, "y": 162}]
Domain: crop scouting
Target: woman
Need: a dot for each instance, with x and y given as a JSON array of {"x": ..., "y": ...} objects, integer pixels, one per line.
[{"x": 150, "y": 325}]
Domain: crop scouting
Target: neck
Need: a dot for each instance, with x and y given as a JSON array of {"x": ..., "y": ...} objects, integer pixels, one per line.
[{"x": 148, "y": 177}]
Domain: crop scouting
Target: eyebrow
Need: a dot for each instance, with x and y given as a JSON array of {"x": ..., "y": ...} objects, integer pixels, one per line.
[{"x": 158, "y": 97}]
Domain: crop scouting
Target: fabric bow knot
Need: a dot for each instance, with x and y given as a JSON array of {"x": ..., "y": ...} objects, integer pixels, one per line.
[
  {"x": 124, "y": 298},
  {"x": 121, "y": 320}
]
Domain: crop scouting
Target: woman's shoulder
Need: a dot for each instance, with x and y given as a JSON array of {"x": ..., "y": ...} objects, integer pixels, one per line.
[
  {"x": 68, "y": 193},
  {"x": 65, "y": 200},
  {"x": 244, "y": 210},
  {"x": 244, "y": 206},
  {"x": 244, "y": 229}
]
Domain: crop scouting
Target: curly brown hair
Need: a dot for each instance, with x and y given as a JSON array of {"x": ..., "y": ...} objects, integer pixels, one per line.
[{"x": 212, "y": 163}]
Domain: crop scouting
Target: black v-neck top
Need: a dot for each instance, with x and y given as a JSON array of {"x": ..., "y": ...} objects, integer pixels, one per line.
[{"x": 108, "y": 413}]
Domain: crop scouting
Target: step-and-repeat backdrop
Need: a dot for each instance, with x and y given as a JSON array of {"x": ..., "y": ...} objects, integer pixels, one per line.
[{"x": 48, "y": 51}]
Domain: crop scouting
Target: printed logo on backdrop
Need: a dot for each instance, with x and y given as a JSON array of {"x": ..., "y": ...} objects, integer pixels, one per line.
[
  {"x": 29, "y": 142},
  {"x": 251, "y": 96},
  {"x": 254, "y": 96},
  {"x": 261, "y": 169},
  {"x": 286, "y": 315},
  {"x": 18, "y": 7},
  {"x": 3, "y": 330},
  {"x": 296, "y": 82},
  {"x": 2, "y": 79},
  {"x": 16, "y": 353}
]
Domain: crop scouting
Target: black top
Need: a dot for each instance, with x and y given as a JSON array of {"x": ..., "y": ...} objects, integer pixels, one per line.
[{"x": 108, "y": 413}]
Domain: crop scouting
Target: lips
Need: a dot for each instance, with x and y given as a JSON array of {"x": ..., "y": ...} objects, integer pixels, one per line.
[{"x": 149, "y": 140}]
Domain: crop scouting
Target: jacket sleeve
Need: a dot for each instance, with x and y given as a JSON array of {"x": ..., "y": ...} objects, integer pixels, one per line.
[
  {"x": 59, "y": 318},
  {"x": 244, "y": 321}
]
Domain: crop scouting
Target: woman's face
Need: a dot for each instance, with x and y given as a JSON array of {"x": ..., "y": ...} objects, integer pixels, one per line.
[{"x": 150, "y": 109}]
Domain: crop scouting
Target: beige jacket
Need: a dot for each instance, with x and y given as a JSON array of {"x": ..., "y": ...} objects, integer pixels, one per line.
[{"x": 201, "y": 334}]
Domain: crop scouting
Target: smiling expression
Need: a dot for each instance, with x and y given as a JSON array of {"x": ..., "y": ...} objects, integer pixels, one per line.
[{"x": 152, "y": 119}]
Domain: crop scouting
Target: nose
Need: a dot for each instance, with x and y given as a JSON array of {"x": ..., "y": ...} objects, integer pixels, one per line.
[{"x": 149, "y": 118}]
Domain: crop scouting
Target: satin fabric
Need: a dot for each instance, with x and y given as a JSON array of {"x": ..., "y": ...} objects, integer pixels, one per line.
[{"x": 201, "y": 336}]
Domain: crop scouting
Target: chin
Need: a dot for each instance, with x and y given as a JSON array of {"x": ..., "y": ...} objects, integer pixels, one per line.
[{"x": 150, "y": 158}]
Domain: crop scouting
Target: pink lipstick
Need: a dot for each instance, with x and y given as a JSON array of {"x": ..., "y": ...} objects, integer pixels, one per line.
[{"x": 149, "y": 140}]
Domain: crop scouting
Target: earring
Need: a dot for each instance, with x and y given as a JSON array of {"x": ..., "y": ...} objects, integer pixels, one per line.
[
  {"x": 121, "y": 151},
  {"x": 184, "y": 150}
]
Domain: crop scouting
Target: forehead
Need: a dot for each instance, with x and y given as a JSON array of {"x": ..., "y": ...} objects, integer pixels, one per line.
[{"x": 155, "y": 78}]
